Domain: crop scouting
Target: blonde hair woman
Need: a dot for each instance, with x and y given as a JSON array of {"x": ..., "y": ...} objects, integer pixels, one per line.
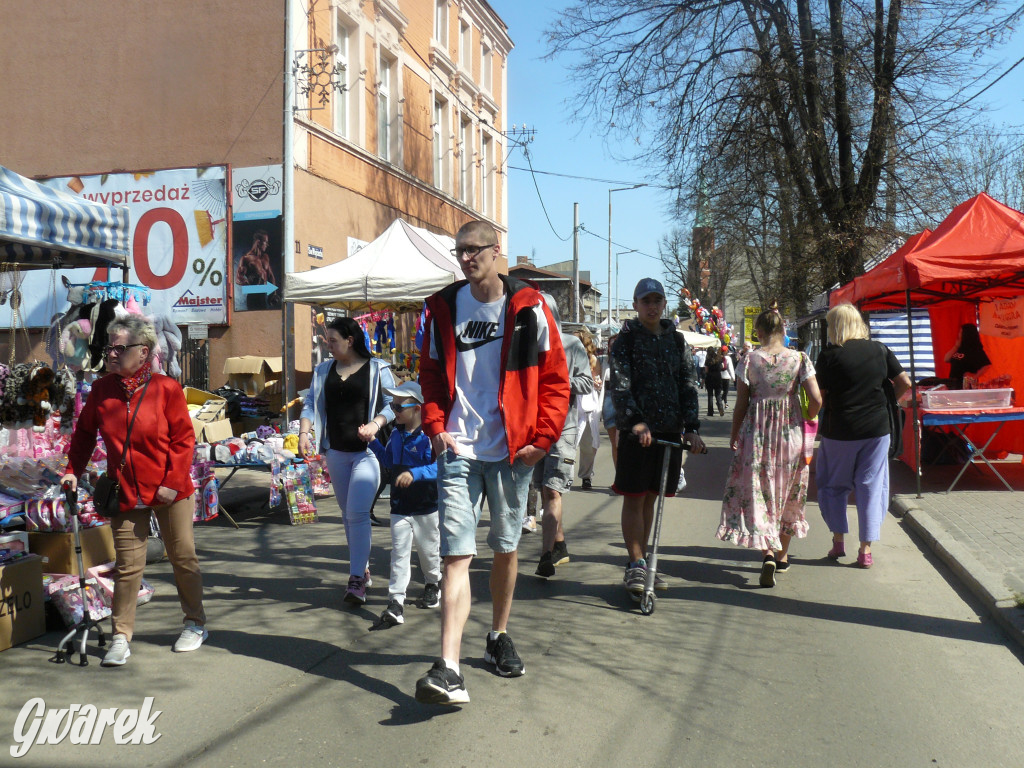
[{"x": 854, "y": 429}]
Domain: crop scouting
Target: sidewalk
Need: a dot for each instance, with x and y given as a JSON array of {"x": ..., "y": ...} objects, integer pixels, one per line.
[{"x": 977, "y": 530}]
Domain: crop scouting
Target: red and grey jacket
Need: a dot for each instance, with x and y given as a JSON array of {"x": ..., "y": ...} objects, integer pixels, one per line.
[{"x": 533, "y": 395}]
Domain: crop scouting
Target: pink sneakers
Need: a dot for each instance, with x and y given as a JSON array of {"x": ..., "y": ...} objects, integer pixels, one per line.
[
  {"x": 838, "y": 550},
  {"x": 356, "y": 592}
]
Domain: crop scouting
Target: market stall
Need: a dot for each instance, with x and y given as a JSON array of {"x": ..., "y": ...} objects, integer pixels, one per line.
[
  {"x": 973, "y": 261},
  {"x": 396, "y": 272},
  {"x": 42, "y": 228}
]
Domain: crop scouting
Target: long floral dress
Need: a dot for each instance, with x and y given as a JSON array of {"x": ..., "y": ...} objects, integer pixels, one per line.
[{"x": 767, "y": 485}]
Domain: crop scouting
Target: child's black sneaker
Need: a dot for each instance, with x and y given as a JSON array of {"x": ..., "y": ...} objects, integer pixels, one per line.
[
  {"x": 431, "y": 596},
  {"x": 394, "y": 614},
  {"x": 560, "y": 553}
]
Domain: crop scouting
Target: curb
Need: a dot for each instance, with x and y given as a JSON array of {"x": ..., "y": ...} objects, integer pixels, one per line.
[{"x": 981, "y": 582}]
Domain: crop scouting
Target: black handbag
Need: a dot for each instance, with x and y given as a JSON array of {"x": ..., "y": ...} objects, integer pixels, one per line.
[
  {"x": 895, "y": 415},
  {"x": 106, "y": 495}
]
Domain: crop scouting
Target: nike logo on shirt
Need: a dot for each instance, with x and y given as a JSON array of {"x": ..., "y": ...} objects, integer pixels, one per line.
[{"x": 475, "y": 334}]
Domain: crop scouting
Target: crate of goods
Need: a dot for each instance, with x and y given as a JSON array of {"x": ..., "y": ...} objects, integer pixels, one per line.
[{"x": 966, "y": 399}]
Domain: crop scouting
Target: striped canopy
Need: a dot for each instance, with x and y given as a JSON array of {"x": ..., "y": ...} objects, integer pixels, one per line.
[{"x": 41, "y": 227}]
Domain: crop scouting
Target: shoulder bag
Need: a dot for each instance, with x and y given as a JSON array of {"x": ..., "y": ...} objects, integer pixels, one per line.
[
  {"x": 894, "y": 412},
  {"x": 107, "y": 492}
]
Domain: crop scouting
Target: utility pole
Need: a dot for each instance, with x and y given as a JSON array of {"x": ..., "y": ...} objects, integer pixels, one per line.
[{"x": 576, "y": 262}]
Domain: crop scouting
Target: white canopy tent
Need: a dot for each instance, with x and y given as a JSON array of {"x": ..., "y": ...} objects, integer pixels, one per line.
[
  {"x": 397, "y": 271},
  {"x": 699, "y": 340}
]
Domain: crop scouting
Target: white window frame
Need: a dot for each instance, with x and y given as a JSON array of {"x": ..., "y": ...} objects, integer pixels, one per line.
[
  {"x": 385, "y": 106},
  {"x": 466, "y": 161},
  {"x": 442, "y": 145},
  {"x": 486, "y": 68},
  {"x": 441, "y": 23},
  {"x": 465, "y": 45},
  {"x": 487, "y": 168},
  {"x": 343, "y": 63}
]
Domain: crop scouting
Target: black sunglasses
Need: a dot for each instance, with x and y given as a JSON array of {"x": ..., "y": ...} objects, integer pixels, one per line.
[
  {"x": 120, "y": 349},
  {"x": 470, "y": 250}
]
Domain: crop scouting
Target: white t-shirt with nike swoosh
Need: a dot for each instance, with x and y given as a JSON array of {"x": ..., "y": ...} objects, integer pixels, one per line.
[{"x": 475, "y": 419}]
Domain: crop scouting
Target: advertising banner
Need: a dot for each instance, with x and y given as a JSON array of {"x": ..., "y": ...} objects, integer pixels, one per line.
[
  {"x": 257, "y": 232},
  {"x": 1002, "y": 317},
  {"x": 178, "y": 244}
]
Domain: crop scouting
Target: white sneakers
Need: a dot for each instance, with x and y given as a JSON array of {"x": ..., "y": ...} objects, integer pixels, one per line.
[
  {"x": 191, "y": 637},
  {"x": 118, "y": 652}
]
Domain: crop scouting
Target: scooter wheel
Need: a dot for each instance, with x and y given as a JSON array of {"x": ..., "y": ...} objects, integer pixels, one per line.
[{"x": 647, "y": 604}]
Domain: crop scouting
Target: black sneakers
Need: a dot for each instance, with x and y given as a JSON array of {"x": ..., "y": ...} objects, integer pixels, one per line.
[
  {"x": 545, "y": 568},
  {"x": 431, "y": 596},
  {"x": 501, "y": 652},
  {"x": 560, "y": 553},
  {"x": 394, "y": 614},
  {"x": 587, "y": 484},
  {"x": 441, "y": 686}
]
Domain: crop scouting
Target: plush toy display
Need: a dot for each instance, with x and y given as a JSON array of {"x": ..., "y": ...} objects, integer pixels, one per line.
[
  {"x": 40, "y": 393},
  {"x": 74, "y": 344},
  {"x": 169, "y": 344}
]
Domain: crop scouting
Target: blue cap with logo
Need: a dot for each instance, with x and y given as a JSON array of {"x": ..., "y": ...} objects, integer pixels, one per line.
[{"x": 647, "y": 286}]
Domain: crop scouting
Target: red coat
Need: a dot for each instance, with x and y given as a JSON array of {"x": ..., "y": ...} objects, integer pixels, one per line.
[
  {"x": 533, "y": 397},
  {"x": 162, "y": 443}
]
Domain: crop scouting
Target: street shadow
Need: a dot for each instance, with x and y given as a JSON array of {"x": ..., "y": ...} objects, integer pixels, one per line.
[{"x": 316, "y": 657}]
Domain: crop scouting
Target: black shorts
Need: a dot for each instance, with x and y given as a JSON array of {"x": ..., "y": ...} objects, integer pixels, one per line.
[{"x": 638, "y": 469}]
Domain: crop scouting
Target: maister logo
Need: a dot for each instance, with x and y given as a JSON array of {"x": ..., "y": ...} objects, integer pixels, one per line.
[
  {"x": 190, "y": 300},
  {"x": 82, "y": 724}
]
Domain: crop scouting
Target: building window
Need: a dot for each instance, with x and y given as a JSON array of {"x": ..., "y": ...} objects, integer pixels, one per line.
[
  {"x": 342, "y": 96},
  {"x": 485, "y": 67},
  {"x": 385, "y": 122},
  {"x": 487, "y": 176},
  {"x": 466, "y": 163},
  {"x": 441, "y": 139},
  {"x": 465, "y": 45},
  {"x": 441, "y": 22}
]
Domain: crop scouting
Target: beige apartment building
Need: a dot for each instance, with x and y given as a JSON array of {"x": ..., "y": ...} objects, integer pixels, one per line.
[{"x": 398, "y": 111}]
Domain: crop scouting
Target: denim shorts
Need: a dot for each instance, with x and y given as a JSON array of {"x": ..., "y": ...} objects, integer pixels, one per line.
[{"x": 462, "y": 485}]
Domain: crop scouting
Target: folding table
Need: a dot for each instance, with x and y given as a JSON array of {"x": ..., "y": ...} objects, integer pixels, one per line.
[{"x": 958, "y": 419}]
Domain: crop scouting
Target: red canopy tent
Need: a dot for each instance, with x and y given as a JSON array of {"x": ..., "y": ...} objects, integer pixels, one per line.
[{"x": 976, "y": 254}]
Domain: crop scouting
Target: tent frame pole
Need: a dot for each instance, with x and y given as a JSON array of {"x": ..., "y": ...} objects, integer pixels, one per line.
[{"x": 913, "y": 397}]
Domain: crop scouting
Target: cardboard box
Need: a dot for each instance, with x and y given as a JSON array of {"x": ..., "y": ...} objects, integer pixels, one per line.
[
  {"x": 254, "y": 375},
  {"x": 211, "y": 407},
  {"x": 21, "y": 601},
  {"x": 209, "y": 422},
  {"x": 58, "y": 549},
  {"x": 212, "y": 432}
]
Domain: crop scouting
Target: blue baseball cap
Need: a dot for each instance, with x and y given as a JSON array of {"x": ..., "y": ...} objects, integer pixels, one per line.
[{"x": 648, "y": 286}]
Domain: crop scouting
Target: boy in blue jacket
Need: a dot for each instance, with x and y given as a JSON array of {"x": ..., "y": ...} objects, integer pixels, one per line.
[{"x": 410, "y": 461}]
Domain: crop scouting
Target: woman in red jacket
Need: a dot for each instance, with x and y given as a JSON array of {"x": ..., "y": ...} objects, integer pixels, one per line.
[{"x": 155, "y": 476}]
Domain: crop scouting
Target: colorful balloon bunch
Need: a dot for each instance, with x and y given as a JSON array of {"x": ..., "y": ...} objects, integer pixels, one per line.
[{"x": 710, "y": 322}]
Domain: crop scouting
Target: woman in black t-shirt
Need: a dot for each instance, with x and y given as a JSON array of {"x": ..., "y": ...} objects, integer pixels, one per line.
[
  {"x": 346, "y": 407},
  {"x": 854, "y": 429},
  {"x": 966, "y": 356}
]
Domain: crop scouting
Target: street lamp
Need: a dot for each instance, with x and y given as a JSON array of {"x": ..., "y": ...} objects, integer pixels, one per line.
[
  {"x": 617, "y": 189},
  {"x": 620, "y": 253}
]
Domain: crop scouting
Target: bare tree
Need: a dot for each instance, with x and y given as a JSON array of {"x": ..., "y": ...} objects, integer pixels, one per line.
[{"x": 838, "y": 95}]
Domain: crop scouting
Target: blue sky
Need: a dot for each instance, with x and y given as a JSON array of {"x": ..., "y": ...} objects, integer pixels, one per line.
[{"x": 539, "y": 95}]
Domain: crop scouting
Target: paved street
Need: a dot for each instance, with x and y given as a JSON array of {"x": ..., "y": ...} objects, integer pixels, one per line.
[{"x": 896, "y": 666}]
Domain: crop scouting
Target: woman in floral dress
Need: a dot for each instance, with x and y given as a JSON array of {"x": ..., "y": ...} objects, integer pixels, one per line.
[{"x": 763, "y": 507}]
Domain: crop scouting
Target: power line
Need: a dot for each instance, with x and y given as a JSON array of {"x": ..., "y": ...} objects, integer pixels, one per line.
[
  {"x": 526, "y": 154},
  {"x": 620, "y": 245},
  {"x": 588, "y": 178}
]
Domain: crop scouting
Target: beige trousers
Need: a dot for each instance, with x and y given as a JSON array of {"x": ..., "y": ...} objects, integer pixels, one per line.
[{"x": 131, "y": 531}]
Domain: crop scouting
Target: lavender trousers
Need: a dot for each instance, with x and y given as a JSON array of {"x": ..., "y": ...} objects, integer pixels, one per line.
[
  {"x": 355, "y": 476},
  {"x": 845, "y": 466}
]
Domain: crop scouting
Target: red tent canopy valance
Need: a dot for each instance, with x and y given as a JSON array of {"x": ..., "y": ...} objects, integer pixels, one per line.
[{"x": 977, "y": 252}]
